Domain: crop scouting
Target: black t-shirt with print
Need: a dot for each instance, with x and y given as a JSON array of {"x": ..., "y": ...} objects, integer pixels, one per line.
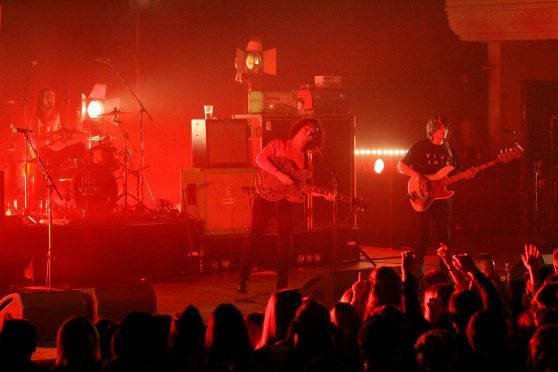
[{"x": 428, "y": 158}]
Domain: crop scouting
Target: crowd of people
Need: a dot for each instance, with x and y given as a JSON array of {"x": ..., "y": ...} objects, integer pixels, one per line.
[{"x": 465, "y": 317}]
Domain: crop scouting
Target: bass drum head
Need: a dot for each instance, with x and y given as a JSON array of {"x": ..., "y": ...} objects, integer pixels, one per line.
[{"x": 95, "y": 192}]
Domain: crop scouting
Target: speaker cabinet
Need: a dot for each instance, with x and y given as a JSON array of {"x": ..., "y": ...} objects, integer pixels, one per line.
[
  {"x": 116, "y": 303},
  {"x": 327, "y": 288},
  {"x": 220, "y": 197},
  {"x": 220, "y": 143},
  {"x": 46, "y": 310}
]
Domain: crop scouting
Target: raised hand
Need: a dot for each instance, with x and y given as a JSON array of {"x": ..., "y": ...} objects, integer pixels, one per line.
[
  {"x": 464, "y": 262},
  {"x": 531, "y": 257},
  {"x": 408, "y": 262},
  {"x": 359, "y": 288},
  {"x": 445, "y": 255}
]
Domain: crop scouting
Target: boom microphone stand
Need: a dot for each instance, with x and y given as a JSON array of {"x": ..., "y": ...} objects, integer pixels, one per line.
[{"x": 142, "y": 111}]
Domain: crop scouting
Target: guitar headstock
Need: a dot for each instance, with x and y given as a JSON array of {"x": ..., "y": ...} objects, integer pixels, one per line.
[
  {"x": 509, "y": 154},
  {"x": 360, "y": 204}
]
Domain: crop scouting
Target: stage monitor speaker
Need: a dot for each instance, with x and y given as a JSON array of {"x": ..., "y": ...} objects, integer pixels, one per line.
[
  {"x": 327, "y": 288},
  {"x": 220, "y": 197},
  {"x": 116, "y": 303},
  {"x": 46, "y": 310},
  {"x": 220, "y": 143}
]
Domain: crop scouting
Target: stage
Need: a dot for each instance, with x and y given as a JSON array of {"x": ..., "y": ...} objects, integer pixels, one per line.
[{"x": 181, "y": 266}]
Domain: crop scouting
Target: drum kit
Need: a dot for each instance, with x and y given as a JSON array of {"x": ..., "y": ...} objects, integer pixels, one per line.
[{"x": 83, "y": 164}]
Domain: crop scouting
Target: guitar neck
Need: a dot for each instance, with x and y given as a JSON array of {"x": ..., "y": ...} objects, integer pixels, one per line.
[
  {"x": 479, "y": 168},
  {"x": 318, "y": 190}
]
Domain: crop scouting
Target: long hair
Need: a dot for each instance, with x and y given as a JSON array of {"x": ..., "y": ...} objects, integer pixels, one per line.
[
  {"x": 39, "y": 102},
  {"x": 435, "y": 122},
  {"x": 281, "y": 310},
  {"x": 226, "y": 338}
]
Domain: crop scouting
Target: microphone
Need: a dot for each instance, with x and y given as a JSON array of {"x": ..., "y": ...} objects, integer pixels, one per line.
[
  {"x": 314, "y": 134},
  {"x": 106, "y": 61},
  {"x": 20, "y": 130}
]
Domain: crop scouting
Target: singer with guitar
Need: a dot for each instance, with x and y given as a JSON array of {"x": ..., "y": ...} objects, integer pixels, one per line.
[
  {"x": 303, "y": 135},
  {"x": 424, "y": 158}
]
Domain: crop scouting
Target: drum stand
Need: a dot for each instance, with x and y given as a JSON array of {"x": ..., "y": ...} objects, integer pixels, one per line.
[
  {"x": 128, "y": 168},
  {"x": 50, "y": 186}
]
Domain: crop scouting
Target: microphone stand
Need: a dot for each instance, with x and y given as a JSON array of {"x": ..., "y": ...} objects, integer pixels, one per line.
[
  {"x": 50, "y": 186},
  {"x": 25, "y": 152},
  {"x": 142, "y": 111},
  {"x": 336, "y": 182},
  {"x": 335, "y": 185}
]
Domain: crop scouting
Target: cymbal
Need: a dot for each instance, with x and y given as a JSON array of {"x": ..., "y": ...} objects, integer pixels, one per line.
[
  {"x": 97, "y": 124},
  {"x": 117, "y": 111},
  {"x": 65, "y": 131}
]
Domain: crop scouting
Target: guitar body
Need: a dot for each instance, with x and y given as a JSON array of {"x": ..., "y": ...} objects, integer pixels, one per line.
[
  {"x": 421, "y": 200},
  {"x": 271, "y": 189}
]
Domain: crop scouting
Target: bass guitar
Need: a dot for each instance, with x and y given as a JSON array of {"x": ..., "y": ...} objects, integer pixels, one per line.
[
  {"x": 271, "y": 189},
  {"x": 421, "y": 198}
]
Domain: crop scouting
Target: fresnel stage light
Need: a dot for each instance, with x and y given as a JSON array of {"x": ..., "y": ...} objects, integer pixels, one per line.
[{"x": 254, "y": 60}]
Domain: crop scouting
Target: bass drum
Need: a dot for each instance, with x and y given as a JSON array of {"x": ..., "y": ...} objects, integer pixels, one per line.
[
  {"x": 104, "y": 155},
  {"x": 94, "y": 192}
]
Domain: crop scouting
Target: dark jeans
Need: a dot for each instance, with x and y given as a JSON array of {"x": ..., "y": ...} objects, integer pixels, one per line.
[
  {"x": 262, "y": 212},
  {"x": 435, "y": 219}
]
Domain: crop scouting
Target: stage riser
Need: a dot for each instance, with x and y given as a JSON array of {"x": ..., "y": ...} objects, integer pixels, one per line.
[
  {"x": 98, "y": 253},
  {"x": 310, "y": 247}
]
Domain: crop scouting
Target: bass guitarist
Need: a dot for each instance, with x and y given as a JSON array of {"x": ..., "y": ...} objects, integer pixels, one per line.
[
  {"x": 303, "y": 134},
  {"x": 426, "y": 157}
]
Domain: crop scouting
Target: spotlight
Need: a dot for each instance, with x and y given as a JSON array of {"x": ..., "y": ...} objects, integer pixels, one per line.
[
  {"x": 94, "y": 103},
  {"x": 95, "y": 109},
  {"x": 254, "y": 60},
  {"x": 379, "y": 166}
]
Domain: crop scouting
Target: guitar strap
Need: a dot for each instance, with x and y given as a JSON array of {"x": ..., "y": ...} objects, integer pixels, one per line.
[{"x": 448, "y": 149}]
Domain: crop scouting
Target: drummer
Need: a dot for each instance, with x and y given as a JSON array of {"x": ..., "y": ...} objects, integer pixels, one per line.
[{"x": 46, "y": 120}]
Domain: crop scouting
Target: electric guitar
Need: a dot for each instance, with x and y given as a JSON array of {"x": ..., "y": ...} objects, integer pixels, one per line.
[
  {"x": 271, "y": 189},
  {"x": 421, "y": 199}
]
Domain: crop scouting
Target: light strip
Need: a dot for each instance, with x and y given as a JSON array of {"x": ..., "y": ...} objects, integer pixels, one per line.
[{"x": 380, "y": 152}]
